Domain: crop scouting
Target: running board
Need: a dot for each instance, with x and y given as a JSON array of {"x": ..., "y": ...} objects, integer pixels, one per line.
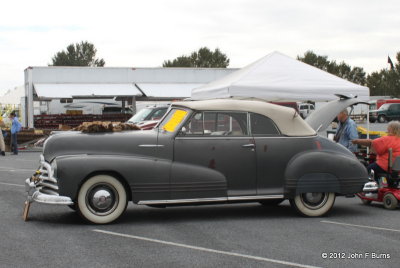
[{"x": 207, "y": 200}]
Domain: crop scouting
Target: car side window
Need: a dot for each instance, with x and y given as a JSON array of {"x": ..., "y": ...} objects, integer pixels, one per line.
[
  {"x": 158, "y": 114},
  {"x": 232, "y": 124},
  {"x": 262, "y": 125},
  {"x": 216, "y": 124},
  {"x": 194, "y": 127}
]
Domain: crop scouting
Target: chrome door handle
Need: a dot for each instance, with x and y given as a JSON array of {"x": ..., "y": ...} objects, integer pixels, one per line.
[{"x": 250, "y": 145}]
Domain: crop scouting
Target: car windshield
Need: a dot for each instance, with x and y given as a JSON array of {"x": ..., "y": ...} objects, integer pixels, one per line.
[
  {"x": 140, "y": 116},
  {"x": 384, "y": 106}
]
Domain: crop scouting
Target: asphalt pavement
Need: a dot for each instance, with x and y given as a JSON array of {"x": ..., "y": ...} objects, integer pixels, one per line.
[{"x": 236, "y": 235}]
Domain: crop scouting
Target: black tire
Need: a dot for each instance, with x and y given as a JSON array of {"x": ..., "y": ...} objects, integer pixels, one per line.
[
  {"x": 381, "y": 119},
  {"x": 366, "y": 202},
  {"x": 102, "y": 199},
  {"x": 372, "y": 120},
  {"x": 390, "y": 201},
  {"x": 271, "y": 202},
  {"x": 313, "y": 204}
]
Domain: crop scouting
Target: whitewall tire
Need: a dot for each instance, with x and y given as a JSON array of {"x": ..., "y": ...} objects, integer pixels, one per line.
[
  {"x": 102, "y": 199},
  {"x": 313, "y": 204}
]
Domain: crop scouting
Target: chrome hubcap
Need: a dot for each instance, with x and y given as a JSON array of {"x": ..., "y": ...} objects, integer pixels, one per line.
[
  {"x": 102, "y": 199},
  {"x": 314, "y": 200}
]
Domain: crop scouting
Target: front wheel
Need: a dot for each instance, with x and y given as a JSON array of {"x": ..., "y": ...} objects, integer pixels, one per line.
[
  {"x": 313, "y": 204},
  {"x": 381, "y": 119},
  {"x": 102, "y": 199},
  {"x": 390, "y": 201}
]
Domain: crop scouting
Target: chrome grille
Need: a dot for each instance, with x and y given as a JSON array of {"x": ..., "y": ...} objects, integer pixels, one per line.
[{"x": 47, "y": 183}]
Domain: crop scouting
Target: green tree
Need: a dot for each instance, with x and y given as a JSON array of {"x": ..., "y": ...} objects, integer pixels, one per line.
[
  {"x": 353, "y": 74},
  {"x": 385, "y": 82},
  {"x": 79, "y": 54},
  {"x": 203, "y": 58}
]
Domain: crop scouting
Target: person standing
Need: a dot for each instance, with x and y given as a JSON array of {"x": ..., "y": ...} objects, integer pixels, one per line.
[
  {"x": 15, "y": 128},
  {"x": 2, "y": 145},
  {"x": 346, "y": 131}
]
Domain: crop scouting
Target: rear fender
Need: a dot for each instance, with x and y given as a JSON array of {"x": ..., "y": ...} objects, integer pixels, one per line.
[{"x": 324, "y": 171}]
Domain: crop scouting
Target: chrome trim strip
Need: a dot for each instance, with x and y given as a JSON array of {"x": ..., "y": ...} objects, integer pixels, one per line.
[
  {"x": 150, "y": 145},
  {"x": 216, "y": 199},
  {"x": 216, "y": 138},
  {"x": 255, "y": 197},
  {"x": 243, "y": 137},
  {"x": 182, "y": 201},
  {"x": 285, "y": 137}
]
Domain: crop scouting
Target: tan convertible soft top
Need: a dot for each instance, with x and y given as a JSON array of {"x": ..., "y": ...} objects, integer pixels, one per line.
[{"x": 284, "y": 117}]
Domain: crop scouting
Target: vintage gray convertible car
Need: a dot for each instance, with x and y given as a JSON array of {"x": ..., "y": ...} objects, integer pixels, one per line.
[{"x": 201, "y": 152}]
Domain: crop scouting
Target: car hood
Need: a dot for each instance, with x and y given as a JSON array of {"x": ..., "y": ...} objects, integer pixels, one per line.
[
  {"x": 109, "y": 143},
  {"x": 322, "y": 117}
]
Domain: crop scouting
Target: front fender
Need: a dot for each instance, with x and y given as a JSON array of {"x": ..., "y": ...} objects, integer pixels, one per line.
[
  {"x": 134, "y": 171},
  {"x": 324, "y": 171}
]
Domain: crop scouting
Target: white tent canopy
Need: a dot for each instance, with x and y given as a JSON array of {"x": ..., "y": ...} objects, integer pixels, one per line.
[
  {"x": 277, "y": 77},
  {"x": 13, "y": 96}
]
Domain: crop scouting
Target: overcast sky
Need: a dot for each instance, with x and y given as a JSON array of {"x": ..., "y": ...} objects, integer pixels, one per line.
[{"x": 145, "y": 33}]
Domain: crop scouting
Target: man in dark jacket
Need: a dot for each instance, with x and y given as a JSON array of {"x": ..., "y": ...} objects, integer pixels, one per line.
[{"x": 15, "y": 128}]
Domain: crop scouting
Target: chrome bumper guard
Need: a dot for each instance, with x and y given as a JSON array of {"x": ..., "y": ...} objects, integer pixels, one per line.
[{"x": 42, "y": 187}]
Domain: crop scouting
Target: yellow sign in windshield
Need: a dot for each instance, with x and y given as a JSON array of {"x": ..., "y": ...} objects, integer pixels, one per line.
[{"x": 175, "y": 120}]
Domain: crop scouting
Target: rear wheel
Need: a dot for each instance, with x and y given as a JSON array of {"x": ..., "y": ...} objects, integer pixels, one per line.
[
  {"x": 313, "y": 204},
  {"x": 390, "y": 201},
  {"x": 102, "y": 199},
  {"x": 271, "y": 202},
  {"x": 381, "y": 119}
]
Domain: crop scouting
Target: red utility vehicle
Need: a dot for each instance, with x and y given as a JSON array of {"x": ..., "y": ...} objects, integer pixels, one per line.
[{"x": 387, "y": 191}]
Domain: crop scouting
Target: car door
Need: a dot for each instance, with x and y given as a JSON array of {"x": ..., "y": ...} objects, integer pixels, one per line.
[
  {"x": 395, "y": 113},
  {"x": 214, "y": 156},
  {"x": 274, "y": 151}
]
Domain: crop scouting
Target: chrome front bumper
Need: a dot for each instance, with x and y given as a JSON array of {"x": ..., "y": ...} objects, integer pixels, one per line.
[
  {"x": 34, "y": 195},
  {"x": 42, "y": 187}
]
